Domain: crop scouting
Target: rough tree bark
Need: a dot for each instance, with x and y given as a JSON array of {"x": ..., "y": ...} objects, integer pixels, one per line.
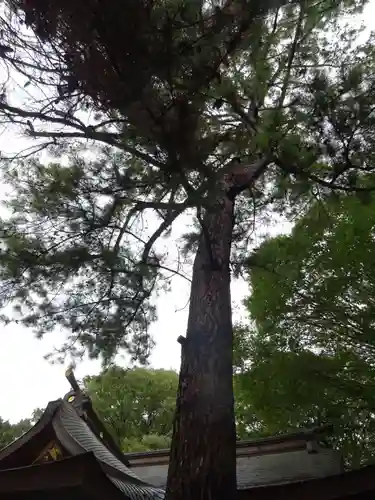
[{"x": 204, "y": 427}]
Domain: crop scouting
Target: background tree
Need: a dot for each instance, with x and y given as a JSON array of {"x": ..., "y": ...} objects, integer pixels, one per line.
[
  {"x": 36, "y": 415},
  {"x": 137, "y": 405},
  {"x": 313, "y": 342},
  {"x": 9, "y": 432},
  {"x": 192, "y": 103}
]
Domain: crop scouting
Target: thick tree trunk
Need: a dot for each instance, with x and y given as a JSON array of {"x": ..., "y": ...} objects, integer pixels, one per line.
[{"x": 203, "y": 453}]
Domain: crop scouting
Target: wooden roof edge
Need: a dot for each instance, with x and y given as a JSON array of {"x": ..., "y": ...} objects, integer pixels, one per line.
[
  {"x": 63, "y": 435},
  {"x": 88, "y": 459},
  {"x": 300, "y": 435},
  {"x": 303, "y": 435},
  {"x": 50, "y": 417},
  {"x": 92, "y": 419},
  {"x": 96, "y": 426},
  {"x": 80, "y": 473},
  {"x": 43, "y": 421},
  {"x": 331, "y": 487},
  {"x": 68, "y": 472}
]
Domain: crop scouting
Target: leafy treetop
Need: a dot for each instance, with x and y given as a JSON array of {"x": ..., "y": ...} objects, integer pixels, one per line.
[
  {"x": 313, "y": 343},
  {"x": 182, "y": 100}
]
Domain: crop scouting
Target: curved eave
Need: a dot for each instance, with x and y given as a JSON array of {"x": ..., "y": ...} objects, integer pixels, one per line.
[
  {"x": 76, "y": 437},
  {"x": 100, "y": 431},
  {"x": 60, "y": 422},
  {"x": 21, "y": 451},
  {"x": 355, "y": 484},
  {"x": 81, "y": 474}
]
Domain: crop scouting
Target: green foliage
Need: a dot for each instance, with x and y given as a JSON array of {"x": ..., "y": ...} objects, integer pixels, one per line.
[
  {"x": 9, "y": 432},
  {"x": 322, "y": 278},
  {"x": 242, "y": 349},
  {"x": 313, "y": 346},
  {"x": 61, "y": 241},
  {"x": 136, "y": 405},
  {"x": 189, "y": 89},
  {"x": 148, "y": 442}
]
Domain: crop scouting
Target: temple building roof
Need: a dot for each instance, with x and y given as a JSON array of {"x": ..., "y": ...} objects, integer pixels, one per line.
[
  {"x": 70, "y": 454},
  {"x": 266, "y": 461},
  {"x": 69, "y": 428}
]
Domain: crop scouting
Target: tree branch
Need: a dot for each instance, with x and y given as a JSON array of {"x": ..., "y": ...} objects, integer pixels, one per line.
[
  {"x": 241, "y": 177},
  {"x": 292, "y": 169},
  {"x": 163, "y": 227},
  {"x": 81, "y": 131},
  {"x": 292, "y": 52},
  {"x": 89, "y": 133}
]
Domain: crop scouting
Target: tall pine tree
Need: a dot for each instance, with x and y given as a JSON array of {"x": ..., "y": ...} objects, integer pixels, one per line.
[{"x": 185, "y": 105}]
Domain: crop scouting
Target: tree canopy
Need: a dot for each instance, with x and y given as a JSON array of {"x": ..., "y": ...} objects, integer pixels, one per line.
[
  {"x": 288, "y": 90},
  {"x": 9, "y": 432},
  {"x": 313, "y": 341},
  {"x": 137, "y": 405},
  {"x": 218, "y": 110}
]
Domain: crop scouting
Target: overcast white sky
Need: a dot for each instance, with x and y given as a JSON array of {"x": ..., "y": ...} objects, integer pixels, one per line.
[{"x": 27, "y": 381}]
